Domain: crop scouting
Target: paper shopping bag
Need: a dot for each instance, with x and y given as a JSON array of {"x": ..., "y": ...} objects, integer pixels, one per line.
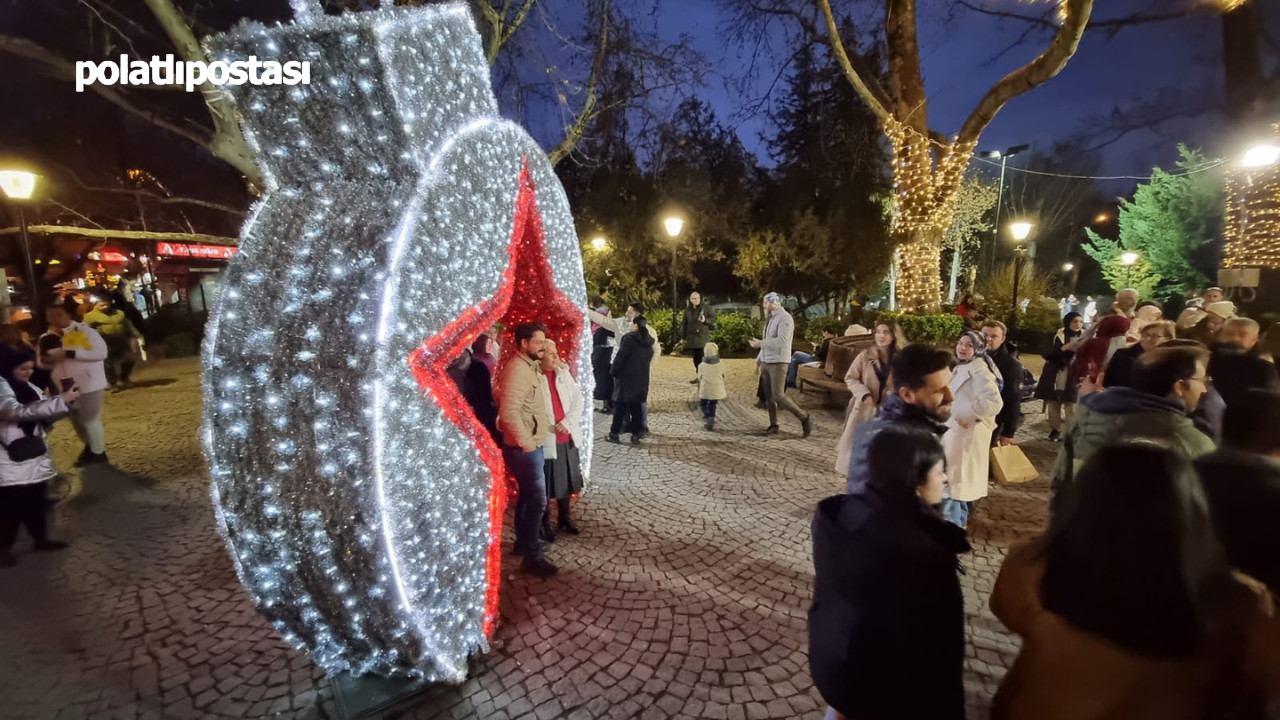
[{"x": 1011, "y": 465}]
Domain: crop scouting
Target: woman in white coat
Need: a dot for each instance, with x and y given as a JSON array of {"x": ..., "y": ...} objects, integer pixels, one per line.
[
  {"x": 976, "y": 384},
  {"x": 868, "y": 381},
  {"x": 563, "y": 469},
  {"x": 25, "y": 464}
]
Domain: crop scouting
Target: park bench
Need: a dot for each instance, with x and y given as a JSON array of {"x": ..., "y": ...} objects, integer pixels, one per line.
[{"x": 829, "y": 378}]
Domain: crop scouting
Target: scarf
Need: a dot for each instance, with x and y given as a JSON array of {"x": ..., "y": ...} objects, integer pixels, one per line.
[
  {"x": 23, "y": 391},
  {"x": 980, "y": 351}
]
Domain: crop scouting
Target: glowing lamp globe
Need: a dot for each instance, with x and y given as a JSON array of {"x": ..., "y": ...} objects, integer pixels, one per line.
[
  {"x": 673, "y": 226},
  {"x": 1021, "y": 230},
  {"x": 17, "y": 184},
  {"x": 360, "y": 499},
  {"x": 1261, "y": 156},
  {"x": 1129, "y": 258},
  {"x": 599, "y": 244}
]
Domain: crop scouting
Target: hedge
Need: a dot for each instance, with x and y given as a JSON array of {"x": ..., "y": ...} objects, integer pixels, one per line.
[{"x": 928, "y": 329}]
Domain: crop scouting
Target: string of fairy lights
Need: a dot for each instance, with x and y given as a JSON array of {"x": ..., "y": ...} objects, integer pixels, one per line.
[{"x": 1252, "y": 228}]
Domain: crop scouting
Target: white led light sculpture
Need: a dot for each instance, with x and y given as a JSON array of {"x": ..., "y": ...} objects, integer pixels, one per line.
[{"x": 359, "y": 498}]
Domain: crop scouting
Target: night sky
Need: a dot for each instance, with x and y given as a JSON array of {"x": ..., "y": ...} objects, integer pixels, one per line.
[{"x": 1105, "y": 74}]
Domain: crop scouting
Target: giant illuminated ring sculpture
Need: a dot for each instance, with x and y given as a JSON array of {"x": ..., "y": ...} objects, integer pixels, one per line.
[{"x": 360, "y": 499}]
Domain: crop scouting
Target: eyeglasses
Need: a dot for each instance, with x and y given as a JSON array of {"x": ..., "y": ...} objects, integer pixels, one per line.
[{"x": 1206, "y": 381}]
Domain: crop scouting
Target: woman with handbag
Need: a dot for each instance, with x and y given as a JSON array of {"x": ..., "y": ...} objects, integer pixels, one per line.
[
  {"x": 1055, "y": 387},
  {"x": 976, "y": 385},
  {"x": 868, "y": 380},
  {"x": 562, "y": 467},
  {"x": 25, "y": 464}
]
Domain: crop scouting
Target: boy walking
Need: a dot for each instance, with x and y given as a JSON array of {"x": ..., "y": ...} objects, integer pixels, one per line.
[{"x": 711, "y": 389}]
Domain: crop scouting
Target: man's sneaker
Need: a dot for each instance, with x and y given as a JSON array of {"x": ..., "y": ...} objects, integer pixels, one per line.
[
  {"x": 772, "y": 430},
  {"x": 635, "y": 439},
  {"x": 760, "y": 405},
  {"x": 807, "y": 424},
  {"x": 539, "y": 567},
  {"x": 1055, "y": 436},
  {"x": 711, "y": 423},
  {"x": 693, "y": 381},
  {"x": 613, "y": 439},
  {"x": 83, "y": 459}
]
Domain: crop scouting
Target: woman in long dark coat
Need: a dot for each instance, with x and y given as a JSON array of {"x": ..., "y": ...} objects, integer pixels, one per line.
[
  {"x": 1055, "y": 387},
  {"x": 631, "y": 373},
  {"x": 601, "y": 355}
]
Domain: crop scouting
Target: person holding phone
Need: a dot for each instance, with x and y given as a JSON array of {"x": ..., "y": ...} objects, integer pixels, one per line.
[
  {"x": 77, "y": 360},
  {"x": 25, "y": 464}
]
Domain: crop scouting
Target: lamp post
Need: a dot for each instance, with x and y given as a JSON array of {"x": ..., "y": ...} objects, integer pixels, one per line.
[
  {"x": 1003, "y": 157},
  {"x": 1069, "y": 271},
  {"x": 673, "y": 226},
  {"x": 1020, "y": 231},
  {"x": 1128, "y": 260},
  {"x": 19, "y": 186}
]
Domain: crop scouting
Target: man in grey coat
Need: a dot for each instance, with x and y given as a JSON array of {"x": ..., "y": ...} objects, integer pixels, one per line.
[
  {"x": 698, "y": 321},
  {"x": 775, "y": 355}
]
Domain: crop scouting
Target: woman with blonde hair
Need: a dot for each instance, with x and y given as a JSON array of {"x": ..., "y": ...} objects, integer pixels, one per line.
[{"x": 868, "y": 381}]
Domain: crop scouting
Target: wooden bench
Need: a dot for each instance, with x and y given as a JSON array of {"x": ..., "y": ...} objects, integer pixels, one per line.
[{"x": 829, "y": 379}]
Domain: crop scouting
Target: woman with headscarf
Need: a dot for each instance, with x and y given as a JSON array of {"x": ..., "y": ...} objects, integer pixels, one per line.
[
  {"x": 602, "y": 341},
  {"x": 976, "y": 385},
  {"x": 1055, "y": 387},
  {"x": 482, "y": 351},
  {"x": 25, "y": 464},
  {"x": 1091, "y": 359}
]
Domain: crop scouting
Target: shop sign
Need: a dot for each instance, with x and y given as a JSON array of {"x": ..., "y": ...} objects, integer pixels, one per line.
[{"x": 191, "y": 250}]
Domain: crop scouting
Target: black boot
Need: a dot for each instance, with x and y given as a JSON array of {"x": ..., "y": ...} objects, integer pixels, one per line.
[
  {"x": 548, "y": 532},
  {"x": 566, "y": 523}
]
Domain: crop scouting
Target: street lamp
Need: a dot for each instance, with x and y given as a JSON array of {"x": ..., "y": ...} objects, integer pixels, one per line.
[
  {"x": 1128, "y": 260},
  {"x": 599, "y": 244},
  {"x": 1003, "y": 157},
  {"x": 1020, "y": 230},
  {"x": 673, "y": 226},
  {"x": 1101, "y": 218},
  {"x": 19, "y": 186},
  {"x": 1068, "y": 267},
  {"x": 1261, "y": 156}
]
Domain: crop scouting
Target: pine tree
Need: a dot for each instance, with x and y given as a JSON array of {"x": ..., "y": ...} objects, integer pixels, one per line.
[{"x": 1174, "y": 224}]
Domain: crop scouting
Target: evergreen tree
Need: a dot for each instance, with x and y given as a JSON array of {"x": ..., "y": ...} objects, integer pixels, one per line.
[{"x": 1174, "y": 224}]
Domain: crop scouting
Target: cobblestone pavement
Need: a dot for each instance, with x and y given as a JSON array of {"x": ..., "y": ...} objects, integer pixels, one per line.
[{"x": 684, "y": 597}]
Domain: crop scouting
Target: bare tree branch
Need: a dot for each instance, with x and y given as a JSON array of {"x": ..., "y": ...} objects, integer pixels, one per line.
[
  {"x": 1048, "y": 64},
  {"x": 228, "y": 142},
  {"x": 866, "y": 85},
  {"x": 574, "y": 132},
  {"x": 1112, "y": 25},
  {"x": 124, "y": 234}
]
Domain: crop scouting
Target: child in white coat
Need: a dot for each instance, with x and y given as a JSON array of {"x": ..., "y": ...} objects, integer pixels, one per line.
[{"x": 711, "y": 387}]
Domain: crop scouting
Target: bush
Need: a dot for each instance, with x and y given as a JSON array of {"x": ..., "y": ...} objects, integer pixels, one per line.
[
  {"x": 660, "y": 320},
  {"x": 828, "y": 322},
  {"x": 172, "y": 320},
  {"x": 1042, "y": 316},
  {"x": 733, "y": 332},
  {"x": 928, "y": 329}
]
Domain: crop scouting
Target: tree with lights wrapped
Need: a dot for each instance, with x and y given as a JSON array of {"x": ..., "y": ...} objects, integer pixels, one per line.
[
  {"x": 360, "y": 499},
  {"x": 928, "y": 165}
]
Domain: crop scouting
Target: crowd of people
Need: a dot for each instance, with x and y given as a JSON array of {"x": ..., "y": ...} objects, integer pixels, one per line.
[
  {"x": 86, "y": 350},
  {"x": 1147, "y": 594}
]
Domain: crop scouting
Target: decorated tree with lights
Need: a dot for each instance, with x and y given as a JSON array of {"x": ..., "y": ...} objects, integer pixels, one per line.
[
  {"x": 975, "y": 200},
  {"x": 928, "y": 164}
]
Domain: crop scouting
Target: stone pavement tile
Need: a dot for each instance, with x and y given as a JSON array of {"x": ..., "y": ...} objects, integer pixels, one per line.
[{"x": 685, "y": 596}]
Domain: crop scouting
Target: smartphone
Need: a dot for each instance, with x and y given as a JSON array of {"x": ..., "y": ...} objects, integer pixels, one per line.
[{"x": 67, "y": 384}]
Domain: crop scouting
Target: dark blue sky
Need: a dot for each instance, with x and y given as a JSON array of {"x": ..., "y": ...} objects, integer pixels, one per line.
[{"x": 1105, "y": 74}]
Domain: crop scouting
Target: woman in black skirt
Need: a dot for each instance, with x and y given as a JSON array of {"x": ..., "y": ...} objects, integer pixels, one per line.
[
  {"x": 562, "y": 467},
  {"x": 602, "y": 339}
]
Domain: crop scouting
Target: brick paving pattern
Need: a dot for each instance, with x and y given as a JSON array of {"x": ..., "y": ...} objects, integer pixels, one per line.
[{"x": 685, "y": 597}]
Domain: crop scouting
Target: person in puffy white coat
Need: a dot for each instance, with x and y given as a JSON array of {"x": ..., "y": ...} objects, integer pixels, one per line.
[
  {"x": 562, "y": 465},
  {"x": 76, "y": 353},
  {"x": 975, "y": 383},
  {"x": 25, "y": 415}
]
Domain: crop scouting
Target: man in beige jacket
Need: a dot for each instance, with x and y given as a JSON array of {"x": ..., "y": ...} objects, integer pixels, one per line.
[{"x": 523, "y": 420}]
